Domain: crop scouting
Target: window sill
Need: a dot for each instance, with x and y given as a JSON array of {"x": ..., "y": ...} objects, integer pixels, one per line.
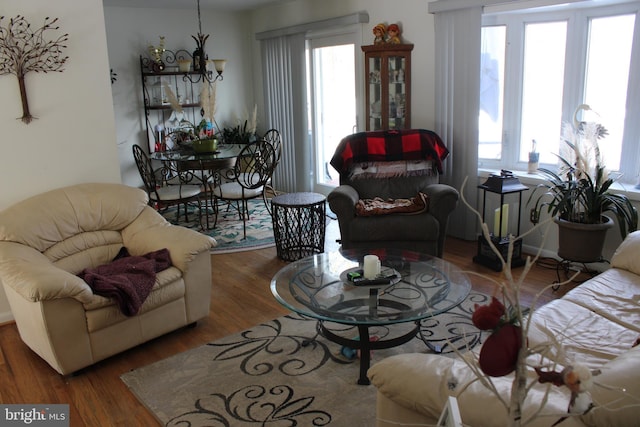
[{"x": 533, "y": 179}]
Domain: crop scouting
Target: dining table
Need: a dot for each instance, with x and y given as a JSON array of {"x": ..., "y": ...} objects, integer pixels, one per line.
[{"x": 207, "y": 168}]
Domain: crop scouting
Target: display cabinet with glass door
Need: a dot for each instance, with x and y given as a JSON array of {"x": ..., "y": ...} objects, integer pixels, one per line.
[{"x": 388, "y": 86}]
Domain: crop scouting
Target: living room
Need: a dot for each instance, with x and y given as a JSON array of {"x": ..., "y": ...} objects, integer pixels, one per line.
[{"x": 85, "y": 124}]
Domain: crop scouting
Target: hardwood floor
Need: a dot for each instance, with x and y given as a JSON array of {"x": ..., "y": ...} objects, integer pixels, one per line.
[{"x": 241, "y": 298}]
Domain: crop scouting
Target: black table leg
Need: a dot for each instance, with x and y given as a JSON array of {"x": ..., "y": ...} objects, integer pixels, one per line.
[{"x": 365, "y": 354}]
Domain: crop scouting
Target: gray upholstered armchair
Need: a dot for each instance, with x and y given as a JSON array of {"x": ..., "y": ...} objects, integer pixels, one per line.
[{"x": 392, "y": 165}]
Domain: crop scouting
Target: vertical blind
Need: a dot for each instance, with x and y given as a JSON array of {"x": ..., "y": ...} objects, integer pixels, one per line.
[
  {"x": 285, "y": 96},
  {"x": 285, "y": 106},
  {"x": 457, "y": 37}
]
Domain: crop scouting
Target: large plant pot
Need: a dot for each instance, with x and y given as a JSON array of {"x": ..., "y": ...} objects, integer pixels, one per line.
[{"x": 582, "y": 242}]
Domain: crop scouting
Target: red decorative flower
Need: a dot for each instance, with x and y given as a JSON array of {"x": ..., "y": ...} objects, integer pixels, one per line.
[{"x": 487, "y": 317}]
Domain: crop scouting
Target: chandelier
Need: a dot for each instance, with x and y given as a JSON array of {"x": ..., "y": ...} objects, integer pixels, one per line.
[{"x": 201, "y": 59}]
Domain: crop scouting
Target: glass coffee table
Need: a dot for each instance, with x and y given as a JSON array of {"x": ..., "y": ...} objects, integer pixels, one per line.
[{"x": 410, "y": 288}]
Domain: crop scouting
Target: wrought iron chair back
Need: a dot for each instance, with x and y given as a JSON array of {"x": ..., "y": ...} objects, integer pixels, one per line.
[
  {"x": 163, "y": 196},
  {"x": 249, "y": 176},
  {"x": 147, "y": 173},
  {"x": 273, "y": 137},
  {"x": 258, "y": 161}
]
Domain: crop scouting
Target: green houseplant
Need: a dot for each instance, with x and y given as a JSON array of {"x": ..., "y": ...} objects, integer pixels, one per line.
[
  {"x": 579, "y": 194},
  {"x": 243, "y": 132}
]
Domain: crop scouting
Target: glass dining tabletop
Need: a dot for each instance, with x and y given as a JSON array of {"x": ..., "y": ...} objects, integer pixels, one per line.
[
  {"x": 414, "y": 286},
  {"x": 224, "y": 151},
  {"x": 206, "y": 168}
]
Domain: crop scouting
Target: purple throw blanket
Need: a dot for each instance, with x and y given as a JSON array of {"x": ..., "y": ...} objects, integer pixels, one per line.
[{"x": 127, "y": 279}]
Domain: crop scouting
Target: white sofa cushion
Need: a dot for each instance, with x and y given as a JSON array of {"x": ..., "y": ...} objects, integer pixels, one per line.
[
  {"x": 422, "y": 382},
  {"x": 614, "y": 407},
  {"x": 587, "y": 337},
  {"x": 614, "y": 294},
  {"x": 626, "y": 256}
]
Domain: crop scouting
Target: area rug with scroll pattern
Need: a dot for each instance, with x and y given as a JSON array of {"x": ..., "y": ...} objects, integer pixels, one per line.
[
  {"x": 267, "y": 376},
  {"x": 228, "y": 230}
]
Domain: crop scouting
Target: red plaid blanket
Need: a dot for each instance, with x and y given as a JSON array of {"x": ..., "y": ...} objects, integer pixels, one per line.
[{"x": 390, "y": 145}]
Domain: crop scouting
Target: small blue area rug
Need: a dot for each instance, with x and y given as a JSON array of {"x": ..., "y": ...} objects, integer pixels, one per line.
[{"x": 228, "y": 230}]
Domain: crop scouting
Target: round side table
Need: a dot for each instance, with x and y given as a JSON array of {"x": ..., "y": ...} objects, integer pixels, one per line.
[{"x": 298, "y": 224}]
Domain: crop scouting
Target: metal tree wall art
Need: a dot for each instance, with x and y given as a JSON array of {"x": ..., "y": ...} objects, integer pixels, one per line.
[{"x": 24, "y": 49}]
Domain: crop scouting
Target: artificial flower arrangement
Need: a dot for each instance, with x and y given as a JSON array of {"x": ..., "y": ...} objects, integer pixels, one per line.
[
  {"x": 507, "y": 349},
  {"x": 200, "y": 136}
]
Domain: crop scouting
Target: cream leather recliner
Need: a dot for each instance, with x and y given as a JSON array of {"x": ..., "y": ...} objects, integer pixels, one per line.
[{"x": 46, "y": 240}]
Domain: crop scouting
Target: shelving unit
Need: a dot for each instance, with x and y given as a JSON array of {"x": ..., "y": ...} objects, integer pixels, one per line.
[
  {"x": 160, "y": 119},
  {"x": 388, "y": 86}
]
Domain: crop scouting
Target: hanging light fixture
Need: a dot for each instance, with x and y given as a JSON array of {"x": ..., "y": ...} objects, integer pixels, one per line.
[{"x": 200, "y": 58}]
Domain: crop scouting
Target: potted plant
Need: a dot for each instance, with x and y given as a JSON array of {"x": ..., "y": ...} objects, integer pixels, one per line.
[
  {"x": 578, "y": 195},
  {"x": 242, "y": 132}
]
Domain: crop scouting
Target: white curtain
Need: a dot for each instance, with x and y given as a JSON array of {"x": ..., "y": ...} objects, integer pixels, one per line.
[
  {"x": 283, "y": 62},
  {"x": 457, "y": 37}
]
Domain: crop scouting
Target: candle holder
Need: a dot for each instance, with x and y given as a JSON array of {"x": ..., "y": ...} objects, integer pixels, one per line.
[{"x": 503, "y": 184}]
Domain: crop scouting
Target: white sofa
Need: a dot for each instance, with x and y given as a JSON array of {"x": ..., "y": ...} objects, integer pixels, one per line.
[
  {"x": 46, "y": 240},
  {"x": 598, "y": 324}
]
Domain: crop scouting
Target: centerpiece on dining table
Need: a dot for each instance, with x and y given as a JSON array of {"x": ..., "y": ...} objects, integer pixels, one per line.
[{"x": 198, "y": 137}]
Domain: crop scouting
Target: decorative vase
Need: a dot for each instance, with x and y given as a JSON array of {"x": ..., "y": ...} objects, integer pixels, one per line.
[
  {"x": 202, "y": 146},
  {"x": 582, "y": 242},
  {"x": 532, "y": 166},
  {"x": 184, "y": 65},
  {"x": 157, "y": 66}
]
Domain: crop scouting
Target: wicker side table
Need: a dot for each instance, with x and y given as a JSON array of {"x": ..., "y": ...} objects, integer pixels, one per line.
[{"x": 298, "y": 224}]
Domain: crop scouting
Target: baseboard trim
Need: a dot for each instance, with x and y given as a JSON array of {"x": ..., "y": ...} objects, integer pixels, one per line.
[{"x": 6, "y": 318}]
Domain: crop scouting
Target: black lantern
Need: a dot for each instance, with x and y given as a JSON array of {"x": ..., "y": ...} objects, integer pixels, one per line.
[{"x": 503, "y": 184}]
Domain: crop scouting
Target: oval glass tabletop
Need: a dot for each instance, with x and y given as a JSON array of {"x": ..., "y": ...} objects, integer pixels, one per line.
[{"x": 412, "y": 286}]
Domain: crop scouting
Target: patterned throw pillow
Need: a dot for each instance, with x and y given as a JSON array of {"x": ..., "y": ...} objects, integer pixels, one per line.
[{"x": 379, "y": 206}]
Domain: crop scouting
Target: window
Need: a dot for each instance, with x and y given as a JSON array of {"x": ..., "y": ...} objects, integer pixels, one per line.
[
  {"x": 332, "y": 87},
  {"x": 536, "y": 68}
]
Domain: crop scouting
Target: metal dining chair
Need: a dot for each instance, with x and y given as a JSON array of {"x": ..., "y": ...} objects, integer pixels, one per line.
[
  {"x": 163, "y": 196},
  {"x": 273, "y": 137},
  {"x": 247, "y": 179}
]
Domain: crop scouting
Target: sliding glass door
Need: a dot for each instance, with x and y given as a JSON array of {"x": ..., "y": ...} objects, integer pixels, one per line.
[{"x": 332, "y": 65}]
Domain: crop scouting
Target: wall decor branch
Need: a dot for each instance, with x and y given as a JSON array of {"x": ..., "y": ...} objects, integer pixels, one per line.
[{"x": 24, "y": 49}]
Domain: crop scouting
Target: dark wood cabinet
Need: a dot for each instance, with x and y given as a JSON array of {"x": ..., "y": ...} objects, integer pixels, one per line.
[{"x": 388, "y": 86}]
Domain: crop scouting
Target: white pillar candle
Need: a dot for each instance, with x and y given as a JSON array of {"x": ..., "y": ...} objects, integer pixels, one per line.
[
  {"x": 371, "y": 266},
  {"x": 497, "y": 231}
]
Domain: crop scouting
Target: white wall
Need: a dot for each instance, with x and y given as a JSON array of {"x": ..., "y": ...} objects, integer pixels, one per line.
[
  {"x": 73, "y": 138},
  {"x": 131, "y": 30}
]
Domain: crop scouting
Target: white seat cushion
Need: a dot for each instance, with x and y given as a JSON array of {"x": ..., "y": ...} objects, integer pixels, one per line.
[
  {"x": 233, "y": 191},
  {"x": 176, "y": 192}
]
